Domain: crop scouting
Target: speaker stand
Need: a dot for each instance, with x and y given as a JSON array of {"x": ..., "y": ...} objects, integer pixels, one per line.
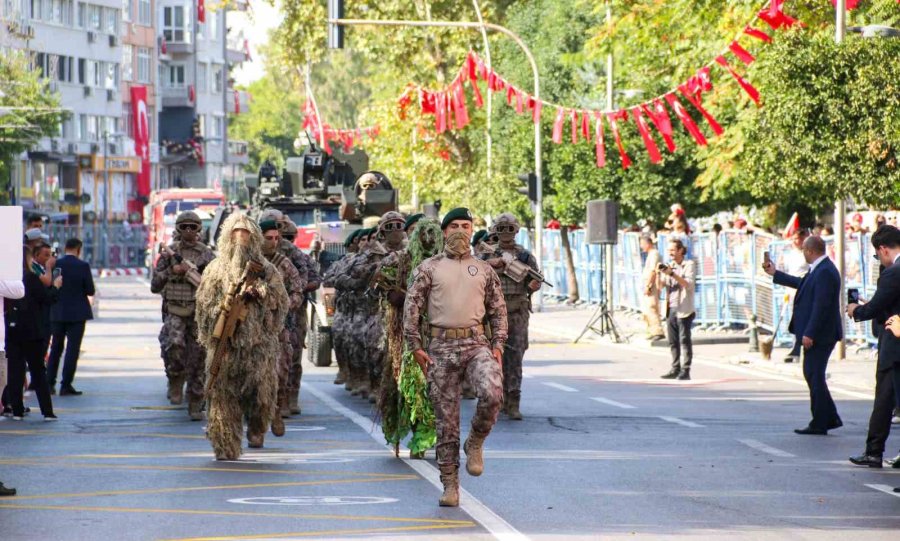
[{"x": 601, "y": 321}]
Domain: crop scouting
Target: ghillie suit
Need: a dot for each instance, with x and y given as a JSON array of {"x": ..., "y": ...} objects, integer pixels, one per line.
[
  {"x": 404, "y": 405},
  {"x": 246, "y": 383}
]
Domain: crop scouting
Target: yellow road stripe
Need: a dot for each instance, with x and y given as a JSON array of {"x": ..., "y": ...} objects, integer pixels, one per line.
[
  {"x": 43, "y": 507},
  {"x": 322, "y": 533}
]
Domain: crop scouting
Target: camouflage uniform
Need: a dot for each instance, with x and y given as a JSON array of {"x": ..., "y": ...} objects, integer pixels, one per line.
[
  {"x": 182, "y": 355},
  {"x": 456, "y": 358},
  {"x": 343, "y": 314}
]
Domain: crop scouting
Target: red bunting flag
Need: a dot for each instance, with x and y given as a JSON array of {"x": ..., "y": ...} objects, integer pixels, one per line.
[
  {"x": 599, "y": 143},
  {"x": 716, "y": 128},
  {"x": 201, "y": 11},
  {"x": 573, "y": 118},
  {"x": 758, "y": 34},
  {"x": 536, "y": 107},
  {"x": 612, "y": 118},
  {"x": 644, "y": 130},
  {"x": 742, "y": 54},
  {"x": 585, "y": 126},
  {"x": 459, "y": 106},
  {"x": 748, "y": 88},
  {"x": 558, "y": 125},
  {"x": 472, "y": 66},
  {"x": 192, "y": 95},
  {"x": 775, "y": 16},
  {"x": 237, "y": 102},
  {"x": 660, "y": 118},
  {"x": 685, "y": 119},
  {"x": 510, "y": 95},
  {"x": 479, "y": 101},
  {"x": 520, "y": 102}
]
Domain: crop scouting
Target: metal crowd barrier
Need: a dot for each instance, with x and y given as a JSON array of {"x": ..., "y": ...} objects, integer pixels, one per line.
[
  {"x": 115, "y": 246},
  {"x": 732, "y": 288}
]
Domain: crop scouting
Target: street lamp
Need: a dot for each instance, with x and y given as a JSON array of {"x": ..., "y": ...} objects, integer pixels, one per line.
[{"x": 875, "y": 31}]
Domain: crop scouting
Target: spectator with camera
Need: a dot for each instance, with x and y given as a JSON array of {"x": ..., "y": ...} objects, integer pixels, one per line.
[
  {"x": 882, "y": 308},
  {"x": 679, "y": 278}
]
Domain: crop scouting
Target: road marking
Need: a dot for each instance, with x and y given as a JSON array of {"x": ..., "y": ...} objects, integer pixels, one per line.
[
  {"x": 682, "y": 422},
  {"x": 560, "y": 386},
  {"x": 760, "y": 446},
  {"x": 886, "y": 489},
  {"x": 322, "y": 533},
  {"x": 609, "y": 402},
  {"x": 313, "y": 500},
  {"x": 103, "y": 466},
  {"x": 141, "y": 281},
  {"x": 304, "y": 428},
  {"x": 491, "y": 521}
]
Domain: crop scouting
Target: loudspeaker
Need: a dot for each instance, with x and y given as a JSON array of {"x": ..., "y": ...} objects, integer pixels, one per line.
[{"x": 602, "y": 222}]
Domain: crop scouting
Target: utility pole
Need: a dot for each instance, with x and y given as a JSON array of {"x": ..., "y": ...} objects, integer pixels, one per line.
[
  {"x": 840, "y": 31},
  {"x": 489, "y": 99},
  {"x": 610, "y": 106}
]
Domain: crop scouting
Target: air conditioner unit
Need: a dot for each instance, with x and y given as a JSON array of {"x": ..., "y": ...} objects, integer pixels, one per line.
[
  {"x": 54, "y": 145},
  {"x": 110, "y": 95},
  {"x": 88, "y": 91},
  {"x": 73, "y": 148},
  {"x": 91, "y": 37},
  {"x": 113, "y": 148},
  {"x": 113, "y": 41},
  {"x": 95, "y": 148}
]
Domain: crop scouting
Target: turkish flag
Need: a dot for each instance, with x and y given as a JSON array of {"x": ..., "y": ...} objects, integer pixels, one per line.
[
  {"x": 237, "y": 102},
  {"x": 201, "y": 11},
  {"x": 141, "y": 137}
]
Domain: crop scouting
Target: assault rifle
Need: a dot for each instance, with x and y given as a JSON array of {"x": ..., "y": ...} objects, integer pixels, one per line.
[
  {"x": 193, "y": 273},
  {"x": 514, "y": 268},
  {"x": 232, "y": 311}
]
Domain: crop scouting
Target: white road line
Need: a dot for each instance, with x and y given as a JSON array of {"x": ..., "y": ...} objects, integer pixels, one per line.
[
  {"x": 609, "y": 402},
  {"x": 760, "y": 446},
  {"x": 560, "y": 386},
  {"x": 492, "y": 522},
  {"x": 682, "y": 422},
  {"x": 140, "y": 280},
  {"x": 886, "y": 489}
]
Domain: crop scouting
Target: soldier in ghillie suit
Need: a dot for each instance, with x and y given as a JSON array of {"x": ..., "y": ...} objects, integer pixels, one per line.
[
  {"x": 176, "y": 277},
  {"x": 404, "y": 402},
  {"x": 295, "y": 286},
  {"x": 241, "y": 308},
  {"x": 456, "y": 292},
  {"x": 518, "y": 308},
  {"x": 343, "y": 310}
]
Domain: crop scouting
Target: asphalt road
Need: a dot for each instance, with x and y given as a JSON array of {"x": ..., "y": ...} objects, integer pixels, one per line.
[{"x": 606, "y": 451}]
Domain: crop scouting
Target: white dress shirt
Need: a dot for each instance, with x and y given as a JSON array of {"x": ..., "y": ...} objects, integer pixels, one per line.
[{"x": 9, "y": 289}]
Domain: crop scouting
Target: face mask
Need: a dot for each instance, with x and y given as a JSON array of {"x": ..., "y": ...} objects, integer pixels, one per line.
[{"x": 457, "y": 244}]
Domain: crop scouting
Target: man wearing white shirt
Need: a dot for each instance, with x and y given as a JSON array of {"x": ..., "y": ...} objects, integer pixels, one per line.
[
  {"x": 795, "y": 264},
  {"x": 9, "y": 289}
]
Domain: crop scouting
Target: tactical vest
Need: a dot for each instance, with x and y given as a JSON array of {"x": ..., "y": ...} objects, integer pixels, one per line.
[
  {"x": 178, "y": 293},
  {"x": 515, "y": 293}
]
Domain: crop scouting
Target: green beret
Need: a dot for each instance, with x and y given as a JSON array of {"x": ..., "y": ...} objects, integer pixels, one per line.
[
  {"x": 268, "y": 225},
  {"x": 412, "y": 219},
  {"x": 349, "y": 240},
  {"x": 480, "y": 234},
  {"x": 459, "y": 213}
]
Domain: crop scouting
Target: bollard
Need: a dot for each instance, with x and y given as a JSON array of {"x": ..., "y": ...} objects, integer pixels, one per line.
[{"x": 754, "y": 334}]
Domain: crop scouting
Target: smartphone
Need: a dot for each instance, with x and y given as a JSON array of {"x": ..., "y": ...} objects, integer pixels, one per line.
[
  {"x": 766, "y": 259},
  {"x": 853, "y": 296},
  {"x": 57, "y": 273}
]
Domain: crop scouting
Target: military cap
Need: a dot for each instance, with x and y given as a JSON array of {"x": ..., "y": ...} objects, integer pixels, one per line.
[
  {"x": 289, "y": 228},
  {"x": 390, "y": 216},
  {"x": 188, "y": 216},
  {"x": 351, "y": 237},
  {"x": 271, "y": 214},
  {"x": 411, "y": 220},
  {"x": 478, "y": 236},
  {"x": 459, "y": 213},
  {"x": 268, "y": 225}
]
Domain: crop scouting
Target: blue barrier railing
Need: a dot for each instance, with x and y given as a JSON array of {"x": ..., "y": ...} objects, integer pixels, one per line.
[{"x": 731, "y": 285}]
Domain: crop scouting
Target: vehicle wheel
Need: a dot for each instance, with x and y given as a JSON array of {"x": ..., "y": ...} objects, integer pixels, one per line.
[{"x": 319, "y": 343}]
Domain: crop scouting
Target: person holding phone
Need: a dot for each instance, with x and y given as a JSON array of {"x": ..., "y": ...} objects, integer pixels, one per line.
[
  {"x": 882, "y": 308},
  {"x": 679, "y": 279}
]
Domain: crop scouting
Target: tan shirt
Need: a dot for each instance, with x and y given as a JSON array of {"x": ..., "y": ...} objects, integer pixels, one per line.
[{"x": 681, "y": 299}]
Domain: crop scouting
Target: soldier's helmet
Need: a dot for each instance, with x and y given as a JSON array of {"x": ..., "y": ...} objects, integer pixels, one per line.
[
  {"x": 274, "y": 215},
  {"x": 188, "y": 216},
  {"x": 506, "y": 219},
  {"x": 289, "y": 229},
  {"x": 391, "y": 217}
]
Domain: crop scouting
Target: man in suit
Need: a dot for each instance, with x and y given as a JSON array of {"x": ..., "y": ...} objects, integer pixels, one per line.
[
  {"x": 884, "y": 304},
  {"x": 817, "y": 323},
  {"x": 69, "y": 315}
]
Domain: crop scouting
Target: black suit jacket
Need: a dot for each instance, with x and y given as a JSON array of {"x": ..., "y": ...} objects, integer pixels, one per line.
[
  {"x": 884, "y": 304},
  {"x": 817, "y": 305},
  {"x": 78, "y": 285},
  {"x": 27, "y": 318}
]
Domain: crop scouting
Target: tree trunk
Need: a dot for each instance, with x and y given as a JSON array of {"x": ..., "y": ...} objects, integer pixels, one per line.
[{"x": 571, "y": 280}]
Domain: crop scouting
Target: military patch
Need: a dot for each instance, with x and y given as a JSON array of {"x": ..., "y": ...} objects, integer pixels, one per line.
[{"x": 473, "y": 270}]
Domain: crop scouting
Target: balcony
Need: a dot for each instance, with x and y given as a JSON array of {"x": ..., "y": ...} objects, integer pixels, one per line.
[
  {"x": 176, "y": 97},
  {"x": 238, "y": 153},
  {"x": 240, "y": 102},
  {"x": 235, "y": 52}
]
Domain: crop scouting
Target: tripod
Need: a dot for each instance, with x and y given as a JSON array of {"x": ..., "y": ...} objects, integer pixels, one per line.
[{"x": 602, "y": 316}]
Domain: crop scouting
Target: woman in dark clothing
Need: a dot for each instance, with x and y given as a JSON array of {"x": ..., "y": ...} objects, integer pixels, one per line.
[{"x": 27, "y": 329}]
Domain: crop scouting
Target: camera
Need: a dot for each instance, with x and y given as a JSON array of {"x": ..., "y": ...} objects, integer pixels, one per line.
[{"x": 662, "y": 267}]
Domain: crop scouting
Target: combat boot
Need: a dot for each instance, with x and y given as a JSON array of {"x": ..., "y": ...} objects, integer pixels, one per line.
[
  {"x": 505, "y": 403},
  {"x": 512, "y": 407},
  {"x": 341, "y": 376},
  {"x": 255, "y": 441},
  {"x": 277, "y": 427},
  {"x": 294, "y": 405},
  {"x": 355, "y": 382},
  {"x": 195, "y": 409},
  {"x": 176, "y": 390},
  {"x": 474, "y": 454},
  {"x": 450, "y": 480}
]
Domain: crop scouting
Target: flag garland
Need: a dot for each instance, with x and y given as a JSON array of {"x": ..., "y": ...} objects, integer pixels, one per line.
[
  {"x": 348, "y": 137},
  {"x": 448, "y": 105}
]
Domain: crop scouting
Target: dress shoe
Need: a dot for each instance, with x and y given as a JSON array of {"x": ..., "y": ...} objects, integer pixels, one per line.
[
  {"x": 789, "y": 359},
  {"x": 835, "y": 424},
  {"x": 897, "y": 490},
  {"x": 894, "y": 462},
  {"x": 810, "y": 431},
  {"x": 872, "y": 461},
  {"x": 685, "y": 374},
  {"x": 50, "y": 418},
  {"x": 672, "y": 374},
  {"x": 69, "y": 391},
  {"x": 7, "y": 491}
]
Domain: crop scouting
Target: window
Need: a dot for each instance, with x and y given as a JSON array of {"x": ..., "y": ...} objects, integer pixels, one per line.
[
  {"x": 175, "y": 25},
  {"x": 201, "y": 122},
  {"x": 89, "y": 72},
  {"x": 127, "y": 8},
  {"x": 145, "y": 16},
  {"x": 95, "y": 18},
  {"x": 127, "y": 63},
  {"x": 110, "y": 75},
  {"x": 217, "y": 79},
  {"x": 127, "y": 120},
  {"x": 176, "y": 76},
  {"x": 202, "y": 77},
  {"x": 90, "y": 128},
  {"x": 218, "y": 127},
  {"x": 143, "y": 65},
  {"x": 82, "y": 15},
  {"x": 64, "y": 69},
  {"x": 212, "y": 19},
  {"x": 111, "y": 21}
]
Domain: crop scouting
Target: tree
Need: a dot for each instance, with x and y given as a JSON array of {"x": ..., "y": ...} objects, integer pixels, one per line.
[{"x": 28, "y": 110}]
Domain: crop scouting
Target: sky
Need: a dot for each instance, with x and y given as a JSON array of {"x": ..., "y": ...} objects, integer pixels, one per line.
[{"x": 256, "y": 27}]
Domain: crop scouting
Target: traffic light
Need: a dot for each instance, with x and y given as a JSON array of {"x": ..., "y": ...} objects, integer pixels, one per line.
[
  {"x": 335, "y": 31},
  {"x": 530, "y": 189}
]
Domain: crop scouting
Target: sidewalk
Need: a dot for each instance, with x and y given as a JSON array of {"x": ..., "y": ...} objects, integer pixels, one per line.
[{"x": 560, "y": 321}]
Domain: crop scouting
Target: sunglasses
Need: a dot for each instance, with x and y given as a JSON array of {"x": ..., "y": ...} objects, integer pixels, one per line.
[
  {"x": 188, "y": 227},
  {"x": 505, "y": 229},
  {"x": 491, "y": 239},
  {"x": 393, "y": 226},
  {"x": 289, "y": 238}
]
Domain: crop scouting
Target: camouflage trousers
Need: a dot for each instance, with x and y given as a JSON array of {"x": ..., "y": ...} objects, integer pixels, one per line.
[
  {"x": 356, "y": 333},
  {"x": 298, "y": 342},
  {"x": 284, "y": 365},
  {"x": 375, "y": 346},
  {"x": 515, "y": 351},
  {"x": 182, "y": 355},
  {"x": 341, "y": 342},
  {"x": 453, "y": 361}
]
